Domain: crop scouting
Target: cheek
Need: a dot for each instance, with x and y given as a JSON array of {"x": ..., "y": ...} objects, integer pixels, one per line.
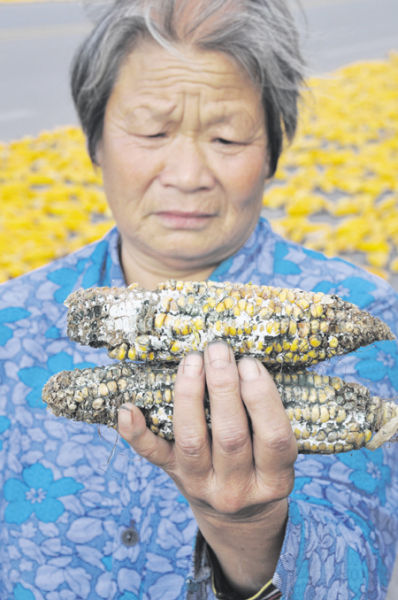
[
  {"x": 246, "y": 178},
  {"x": 126, "y": 172}
]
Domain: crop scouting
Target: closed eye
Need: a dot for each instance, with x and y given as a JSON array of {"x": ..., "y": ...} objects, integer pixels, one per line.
[
  {"x": 156, "y": 136},
  {"x": 225, "y": 142}
]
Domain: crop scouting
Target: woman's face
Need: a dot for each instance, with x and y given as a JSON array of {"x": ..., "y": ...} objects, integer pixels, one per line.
[{"x": 184, "y": 158}]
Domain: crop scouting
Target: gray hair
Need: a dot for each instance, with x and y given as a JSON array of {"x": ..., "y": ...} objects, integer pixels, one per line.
[{"x": 259, "y": 35}]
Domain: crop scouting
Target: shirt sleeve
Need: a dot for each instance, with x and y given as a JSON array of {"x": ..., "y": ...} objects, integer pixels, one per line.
[{"x": 207, "y": 581}]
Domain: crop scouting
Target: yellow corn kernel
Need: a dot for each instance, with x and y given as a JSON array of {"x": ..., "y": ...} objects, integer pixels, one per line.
[
  {"x": 284, "y": 325},
  {"x": 181, "y": 301},
  {"x": 120, "y": 352},
  {"x": 333, "y": 341},
  {"x": 158, "y": 397},
  {"x": 229, "y": 303},
  {"x": 199, "y": 324},
  {"x": 315, "y": 341},
  {"x": 242, "y": 304},
  {"x": 132, "y": 353},
  {"x": 316, "y": 310},
  {"x": 303, "y": 303},
  {"x": 250, "y": 309},
  {"x": 368, "y": 436},
  {"x": 282, "y": 295},
  {"x": 315, "y": 413},
  {"x": 303, "y": 346},
  {"x": 315, "y": 326},
  {"x": 185, "y": 328},
  {"x": 159, "y": 320},
  {"x": 175, "y": 348},
  {"x": 324, "y": 414},
  {"x": 220, "y": 307}
]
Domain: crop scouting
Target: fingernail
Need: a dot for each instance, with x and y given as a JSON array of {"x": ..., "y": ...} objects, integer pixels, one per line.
[
  {"x": 249, "y": 369},
  {"x": 220, "y": 354},
  {"x": 192, "y": 364}
]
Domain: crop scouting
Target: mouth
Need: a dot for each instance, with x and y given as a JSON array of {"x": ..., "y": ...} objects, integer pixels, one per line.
[{"x": 175, "y": 219}]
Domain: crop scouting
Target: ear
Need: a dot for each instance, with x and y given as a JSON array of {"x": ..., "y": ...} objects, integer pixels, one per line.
[{"x": 99, "y": 154}]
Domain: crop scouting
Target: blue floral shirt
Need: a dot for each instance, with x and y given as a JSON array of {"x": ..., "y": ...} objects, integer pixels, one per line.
[{"x": 82, "y": 516}]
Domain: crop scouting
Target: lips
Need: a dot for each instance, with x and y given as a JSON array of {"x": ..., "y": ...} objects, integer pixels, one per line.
[{"x": 184, "y": 220}]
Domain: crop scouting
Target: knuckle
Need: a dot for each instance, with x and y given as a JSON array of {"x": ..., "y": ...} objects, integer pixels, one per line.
[
  {"x": 191, "y": 445},
  {"x": 222, "y": 386},
  {"x": 280, "y": 440},
  {"x": 231, "y": 441}
]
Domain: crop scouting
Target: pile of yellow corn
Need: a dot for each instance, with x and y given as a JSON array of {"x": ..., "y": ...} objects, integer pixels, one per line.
[
  {"x": 336, "y": 186},
  {"x": 336, "y": 189}
]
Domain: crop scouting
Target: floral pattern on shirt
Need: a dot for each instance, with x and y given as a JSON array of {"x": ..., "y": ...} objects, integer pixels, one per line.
[{"x": 71, "y": 490}]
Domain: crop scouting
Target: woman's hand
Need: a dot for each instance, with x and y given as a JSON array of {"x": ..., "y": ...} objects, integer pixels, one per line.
[{"x": 238, "y": 478}]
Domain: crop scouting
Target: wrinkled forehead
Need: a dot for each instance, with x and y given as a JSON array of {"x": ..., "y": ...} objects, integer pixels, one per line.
[{"x": 154, "y": 81}]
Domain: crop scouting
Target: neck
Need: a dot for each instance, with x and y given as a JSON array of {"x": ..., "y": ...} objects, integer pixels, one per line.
[{"x": 148, "y": 273}]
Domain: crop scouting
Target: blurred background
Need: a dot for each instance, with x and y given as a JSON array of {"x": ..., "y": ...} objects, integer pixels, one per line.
[{"x": 336, "y": 189}]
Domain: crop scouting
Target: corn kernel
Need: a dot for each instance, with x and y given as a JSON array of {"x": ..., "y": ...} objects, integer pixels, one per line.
[
  {"x": 132, "y": 353},
  {"x": 175, "y": 348},
  {"x": 316, "y": 310},
  {"x": 220, "y": 307},
  {"x": 333, "y": 342},
  {"x": 315, "y": 341},
  {"x": 159, "y": 320},
  {"x": 229, "y": 303}
]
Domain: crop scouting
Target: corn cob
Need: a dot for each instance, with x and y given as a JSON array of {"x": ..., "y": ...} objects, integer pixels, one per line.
[
  {"x": 278, "y": 326},
  {"x": 327, "y": 414}
]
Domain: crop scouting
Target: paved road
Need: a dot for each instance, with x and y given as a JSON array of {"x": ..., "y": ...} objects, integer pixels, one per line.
[{"x": 37, "y": 42}]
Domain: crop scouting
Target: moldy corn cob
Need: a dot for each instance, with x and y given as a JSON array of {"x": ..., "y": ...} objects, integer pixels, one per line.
[
  {"x": 327, "y": 414},
  {"x": 288, "y": 327}
]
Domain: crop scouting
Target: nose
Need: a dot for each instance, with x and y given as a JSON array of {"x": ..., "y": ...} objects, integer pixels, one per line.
[{"x": 186, "y": 166}]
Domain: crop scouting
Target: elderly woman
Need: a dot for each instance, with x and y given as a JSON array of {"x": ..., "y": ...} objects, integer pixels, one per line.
[{"x": 185, "y": 104}]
